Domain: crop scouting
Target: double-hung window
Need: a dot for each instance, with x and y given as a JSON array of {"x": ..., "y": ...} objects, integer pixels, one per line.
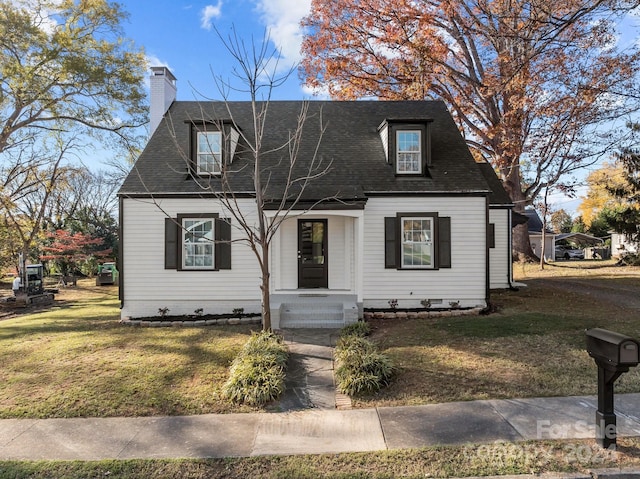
[
  {"x": 209, "y": 152},
  {"x": 408, "y": 151},
  {"x": 414, "y": 241},
  {"x": 417, "y": 242},
  {"x": 198, "y": 243}
]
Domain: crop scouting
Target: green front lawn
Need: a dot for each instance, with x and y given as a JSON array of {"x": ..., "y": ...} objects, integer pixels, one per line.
[
  {"x": 75, "y": 359},
  {"x": 533, "y": 346}
]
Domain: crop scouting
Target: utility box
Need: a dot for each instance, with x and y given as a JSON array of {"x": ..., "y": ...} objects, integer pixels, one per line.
[
  {"x": 107, "y": 274},
  {"x": 614, "y": 354},
  {"x": 613, "y": 349}
]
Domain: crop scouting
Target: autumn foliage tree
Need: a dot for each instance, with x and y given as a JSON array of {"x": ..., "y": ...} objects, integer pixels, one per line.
[
  {"x": 529, "y": 82},
  {"x": 599, "y": 196},
  {"x": 68, "y": 250}
]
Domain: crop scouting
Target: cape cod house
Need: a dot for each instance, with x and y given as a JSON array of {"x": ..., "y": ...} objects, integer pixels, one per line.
[{"x": 404, "y": 212}]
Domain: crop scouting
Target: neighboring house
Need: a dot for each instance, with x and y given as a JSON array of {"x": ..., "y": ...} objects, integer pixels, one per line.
[
  {"x": 411, "y": 216},
  {"x": 586, "y": 244},
  {"x": 621, "y": 245},
  {"x": 535, "y": 236}
]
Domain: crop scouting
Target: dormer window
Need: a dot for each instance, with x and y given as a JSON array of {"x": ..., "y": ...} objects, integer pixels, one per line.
[
  {"x": 407, "y": 145},
  {"x": 213, "y": 145},
  {"x": 408, "y": 151},
  {"x": 209, "y": 152}
]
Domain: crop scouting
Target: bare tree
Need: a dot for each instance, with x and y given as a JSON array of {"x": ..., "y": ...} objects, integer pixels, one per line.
[
  {"x": 258, "y": 74},
  {"x": 33, "y": 178}
]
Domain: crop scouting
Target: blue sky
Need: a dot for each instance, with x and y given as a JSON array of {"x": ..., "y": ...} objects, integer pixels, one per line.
[{"x": 180, "y": 35}]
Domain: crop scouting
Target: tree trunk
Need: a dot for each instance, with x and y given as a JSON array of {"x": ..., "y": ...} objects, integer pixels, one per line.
[
  {"x": 520, "y": 234},
  {"x": 265, "y": 289}
]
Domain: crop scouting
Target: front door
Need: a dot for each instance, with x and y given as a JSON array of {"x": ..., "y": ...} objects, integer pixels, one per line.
[{"x": 312, "y": 254}]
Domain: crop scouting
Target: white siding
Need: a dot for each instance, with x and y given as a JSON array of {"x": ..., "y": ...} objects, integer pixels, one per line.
[
  {"x": 549, "y": 245},
  {"x": 384, "y": 136},
  {"x": 465, "y": 281},
  {"x": 354, "y": 268},
  {"x": 499, "y": 267},
  {"x": 148, "y": 286},
  {"x": 620, "y": 245}
]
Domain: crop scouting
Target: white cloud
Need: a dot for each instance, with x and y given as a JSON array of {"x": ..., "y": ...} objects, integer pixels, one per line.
[
  {"x": 154, "y": 61},
  {"x": 44, "y": 18},
  {"x": 282, "y": 19},
  {"x": 208, "y": 13},
  {"x": 321, "y": 93}
]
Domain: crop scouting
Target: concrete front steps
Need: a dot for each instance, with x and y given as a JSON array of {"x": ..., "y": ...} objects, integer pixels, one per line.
[{"x": 317, "y": 311}]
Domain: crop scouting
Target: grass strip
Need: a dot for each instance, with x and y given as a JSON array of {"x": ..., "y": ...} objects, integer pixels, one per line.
[{"x": 535, "y": 457}]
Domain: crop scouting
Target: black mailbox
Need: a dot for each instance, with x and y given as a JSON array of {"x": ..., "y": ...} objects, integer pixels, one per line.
[
  {"x": 613, "y": 349},
  {"x": 614, "y": 354}
]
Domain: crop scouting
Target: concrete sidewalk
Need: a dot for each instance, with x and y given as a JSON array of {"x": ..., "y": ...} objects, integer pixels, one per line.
[{"x": 310, "y": 431}]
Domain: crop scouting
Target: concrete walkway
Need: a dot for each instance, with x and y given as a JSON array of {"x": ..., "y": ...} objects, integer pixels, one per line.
[
  {"x": 311, "y": 431},
  {"x": 309, "y": 382}
]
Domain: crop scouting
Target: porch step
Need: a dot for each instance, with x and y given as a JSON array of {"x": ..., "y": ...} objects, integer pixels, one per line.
[{"x": 315, "y": 314}]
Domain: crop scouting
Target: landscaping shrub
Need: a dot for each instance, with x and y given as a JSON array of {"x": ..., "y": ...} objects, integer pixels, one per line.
[
  {"x": 362, "y": 369},
  {"x": 257, "y": 374},
  {"x": 360, "y": 328}
]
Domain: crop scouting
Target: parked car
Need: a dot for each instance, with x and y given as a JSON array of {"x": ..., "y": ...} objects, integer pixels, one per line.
[{"x": 567, "y": 252}]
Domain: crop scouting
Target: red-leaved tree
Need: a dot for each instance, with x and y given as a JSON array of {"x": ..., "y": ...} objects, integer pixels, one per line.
[{"x": 68, "y": 249}]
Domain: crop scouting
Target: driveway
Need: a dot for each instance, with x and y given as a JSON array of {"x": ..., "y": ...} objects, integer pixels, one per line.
[{"x": 626, "y": 295}]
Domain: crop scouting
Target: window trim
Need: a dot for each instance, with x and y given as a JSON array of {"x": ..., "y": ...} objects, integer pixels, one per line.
[
  {"x": 441, "y": 241},
  {"x": 423, "y": 128},
  {"x": 173, "y": 243},
  {"x": 403, "y": 242},
  {"x": 219, "y": 155},
  {"x": 420, "y": 151},
  {"x": 182, "y": 243}
]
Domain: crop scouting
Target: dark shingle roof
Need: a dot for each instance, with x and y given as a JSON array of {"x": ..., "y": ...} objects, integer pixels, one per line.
[
  {"x": 351, "y": 144},
  {"x": 499, "y": 195}
]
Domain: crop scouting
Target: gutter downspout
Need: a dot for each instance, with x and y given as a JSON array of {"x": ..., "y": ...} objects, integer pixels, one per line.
[
  {"x": 120, "y": 253},
  {"x": 510, "y": 253}
]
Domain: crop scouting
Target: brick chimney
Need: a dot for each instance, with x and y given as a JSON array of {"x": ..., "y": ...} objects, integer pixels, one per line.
[{"x": 163, "y": 93}]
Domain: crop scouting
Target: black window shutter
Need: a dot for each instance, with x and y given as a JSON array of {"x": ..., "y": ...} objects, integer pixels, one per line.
[
  {"x": 170, "y": 243},
  {"x": 390, "y": 242},
  {"x": 444, "y": 242},
  {"x": 492, "y": 235},
  {"x": 223, "y": 243}
]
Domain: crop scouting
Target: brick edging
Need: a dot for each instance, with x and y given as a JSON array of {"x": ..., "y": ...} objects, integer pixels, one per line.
[
  {"x": 188, "y": 323},
  {"x": 368, "y": 315}
]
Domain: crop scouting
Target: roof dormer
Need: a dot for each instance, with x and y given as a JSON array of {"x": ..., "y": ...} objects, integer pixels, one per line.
[
  {"x": 213, "y": 145},
  {"x": 407, "y": 145}
]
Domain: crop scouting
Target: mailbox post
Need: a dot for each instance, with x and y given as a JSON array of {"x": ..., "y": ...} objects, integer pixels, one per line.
[{"x": 614, "y": 354}]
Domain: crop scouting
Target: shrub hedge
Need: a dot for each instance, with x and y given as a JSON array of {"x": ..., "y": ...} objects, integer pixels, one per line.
[
  {"x": 257, "y": 374},
  {"x": 362, "y": 369}
]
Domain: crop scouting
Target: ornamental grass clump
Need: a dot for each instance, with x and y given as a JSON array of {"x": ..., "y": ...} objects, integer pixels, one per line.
[
  {"x": 362, "y": 369},
  {"x": 257, "y": 374},
  {"x": 359, "y": 328}
]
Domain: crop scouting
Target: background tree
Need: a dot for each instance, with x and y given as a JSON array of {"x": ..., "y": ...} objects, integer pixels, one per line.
[
  {"x": 625, "y": 218},
  {"x": 64, "y": 64},
  {"x": 561, "y": 221},
  {"x": 32, "y": 177},
  {"x": 69, "y": 250},
  {"x": 69, "y": 84},
  {"x": 599, "y": 196},
  {"x": 530, "y": 82}
]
